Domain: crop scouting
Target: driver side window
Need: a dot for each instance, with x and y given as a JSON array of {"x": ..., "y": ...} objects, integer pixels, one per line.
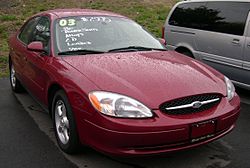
[
  {"x": 42, "y": 33},
  {"x": 27, "y": 30}
]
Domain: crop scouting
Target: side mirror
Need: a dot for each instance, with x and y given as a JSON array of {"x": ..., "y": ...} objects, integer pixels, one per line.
[
  {"x": 162, "y": 41},
  {"x": 36, "y": 46}
]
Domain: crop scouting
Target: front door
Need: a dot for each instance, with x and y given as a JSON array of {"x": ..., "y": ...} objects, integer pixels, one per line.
[
  {"x": 35, "y": 61},
  {"x": 19, "y": 49}
]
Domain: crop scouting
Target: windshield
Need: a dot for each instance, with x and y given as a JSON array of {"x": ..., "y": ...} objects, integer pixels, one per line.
[{"x": 101, "y": 33}]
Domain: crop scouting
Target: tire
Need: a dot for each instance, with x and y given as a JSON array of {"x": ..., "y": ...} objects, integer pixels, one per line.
[
  {"x": 64, "y": 123},
  {"x": 16, "y": 86}
]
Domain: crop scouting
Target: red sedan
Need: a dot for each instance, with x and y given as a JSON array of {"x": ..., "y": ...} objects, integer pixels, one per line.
[{"x": 109, "y": 84}]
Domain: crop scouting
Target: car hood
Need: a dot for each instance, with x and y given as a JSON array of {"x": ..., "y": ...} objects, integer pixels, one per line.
[{"x": 150, "y": 77}]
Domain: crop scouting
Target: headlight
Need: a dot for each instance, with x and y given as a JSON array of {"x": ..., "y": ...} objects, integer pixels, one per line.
[
  {"x": 117, "y": 105},
  {"x": 230, "y": 89}
]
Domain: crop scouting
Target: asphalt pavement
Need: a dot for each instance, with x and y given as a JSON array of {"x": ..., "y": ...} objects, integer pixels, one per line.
[
  {"x": 27, "y": 140},
  {"x": 22, "y": 143}
]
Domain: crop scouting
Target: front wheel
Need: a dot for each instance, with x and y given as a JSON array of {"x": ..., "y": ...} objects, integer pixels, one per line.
[
  {"x": 64, "y": 123},
  {"x": 14, "y": 82}
]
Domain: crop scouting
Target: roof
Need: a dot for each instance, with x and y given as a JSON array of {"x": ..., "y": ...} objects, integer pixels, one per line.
[{"x": 76, "y": 12}]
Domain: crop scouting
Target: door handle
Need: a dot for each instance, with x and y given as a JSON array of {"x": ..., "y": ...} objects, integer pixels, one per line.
[
  {"x": 236, "y": 41},
  {"x": 248, "y": 44}
]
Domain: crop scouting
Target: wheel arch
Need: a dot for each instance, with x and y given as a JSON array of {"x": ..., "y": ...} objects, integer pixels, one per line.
[
  {"x": 10, "y": 62},
  {"x": 52, "y": 89},
  {"x": 183, "y": 49}
]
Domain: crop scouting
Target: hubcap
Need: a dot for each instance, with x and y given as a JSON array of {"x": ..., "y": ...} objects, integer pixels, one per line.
[
  {"x": 13, "y": 76},
  {"x": 62, "y": 122}
]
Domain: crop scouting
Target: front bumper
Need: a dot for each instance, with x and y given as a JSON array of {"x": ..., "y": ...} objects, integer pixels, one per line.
[{"x": 162, "y": 134}]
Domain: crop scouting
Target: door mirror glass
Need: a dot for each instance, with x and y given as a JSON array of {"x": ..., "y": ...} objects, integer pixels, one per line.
[{"x": 36, "y": 46}]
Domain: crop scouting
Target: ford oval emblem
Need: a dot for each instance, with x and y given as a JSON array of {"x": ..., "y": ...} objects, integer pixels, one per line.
[{"x": 196, "y": 104}]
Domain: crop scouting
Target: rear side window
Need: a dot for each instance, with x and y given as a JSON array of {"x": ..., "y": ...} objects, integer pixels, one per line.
[
  {"x": 223, "y": 17},
  {"x": 228, "y": 17}
]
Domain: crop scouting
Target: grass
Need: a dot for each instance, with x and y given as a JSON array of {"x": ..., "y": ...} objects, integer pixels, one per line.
[
  {"x": 150, "y": 14},
  {"x": 4, "y": 66},
  {"x": 4, "y": 18}
]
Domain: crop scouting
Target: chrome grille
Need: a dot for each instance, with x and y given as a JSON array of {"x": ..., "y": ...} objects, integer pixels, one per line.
[{"x": 191, "y": 104}]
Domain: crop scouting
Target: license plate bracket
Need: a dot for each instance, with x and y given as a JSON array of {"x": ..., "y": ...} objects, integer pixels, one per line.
[{"x": 203, "y": 129}]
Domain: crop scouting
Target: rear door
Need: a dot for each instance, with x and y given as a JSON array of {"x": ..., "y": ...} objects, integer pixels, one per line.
[
  {"x": 221, "y": 43},
  {"x": 246, "y": 63}
]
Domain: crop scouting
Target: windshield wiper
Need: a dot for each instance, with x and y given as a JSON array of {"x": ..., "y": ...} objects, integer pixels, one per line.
[
  {"x": 136, "y": 48},
  {"x": 80, "y": 52}
]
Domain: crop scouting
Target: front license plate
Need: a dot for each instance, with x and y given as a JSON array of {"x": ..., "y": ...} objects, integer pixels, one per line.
[{"x": 203, "y": 130}]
